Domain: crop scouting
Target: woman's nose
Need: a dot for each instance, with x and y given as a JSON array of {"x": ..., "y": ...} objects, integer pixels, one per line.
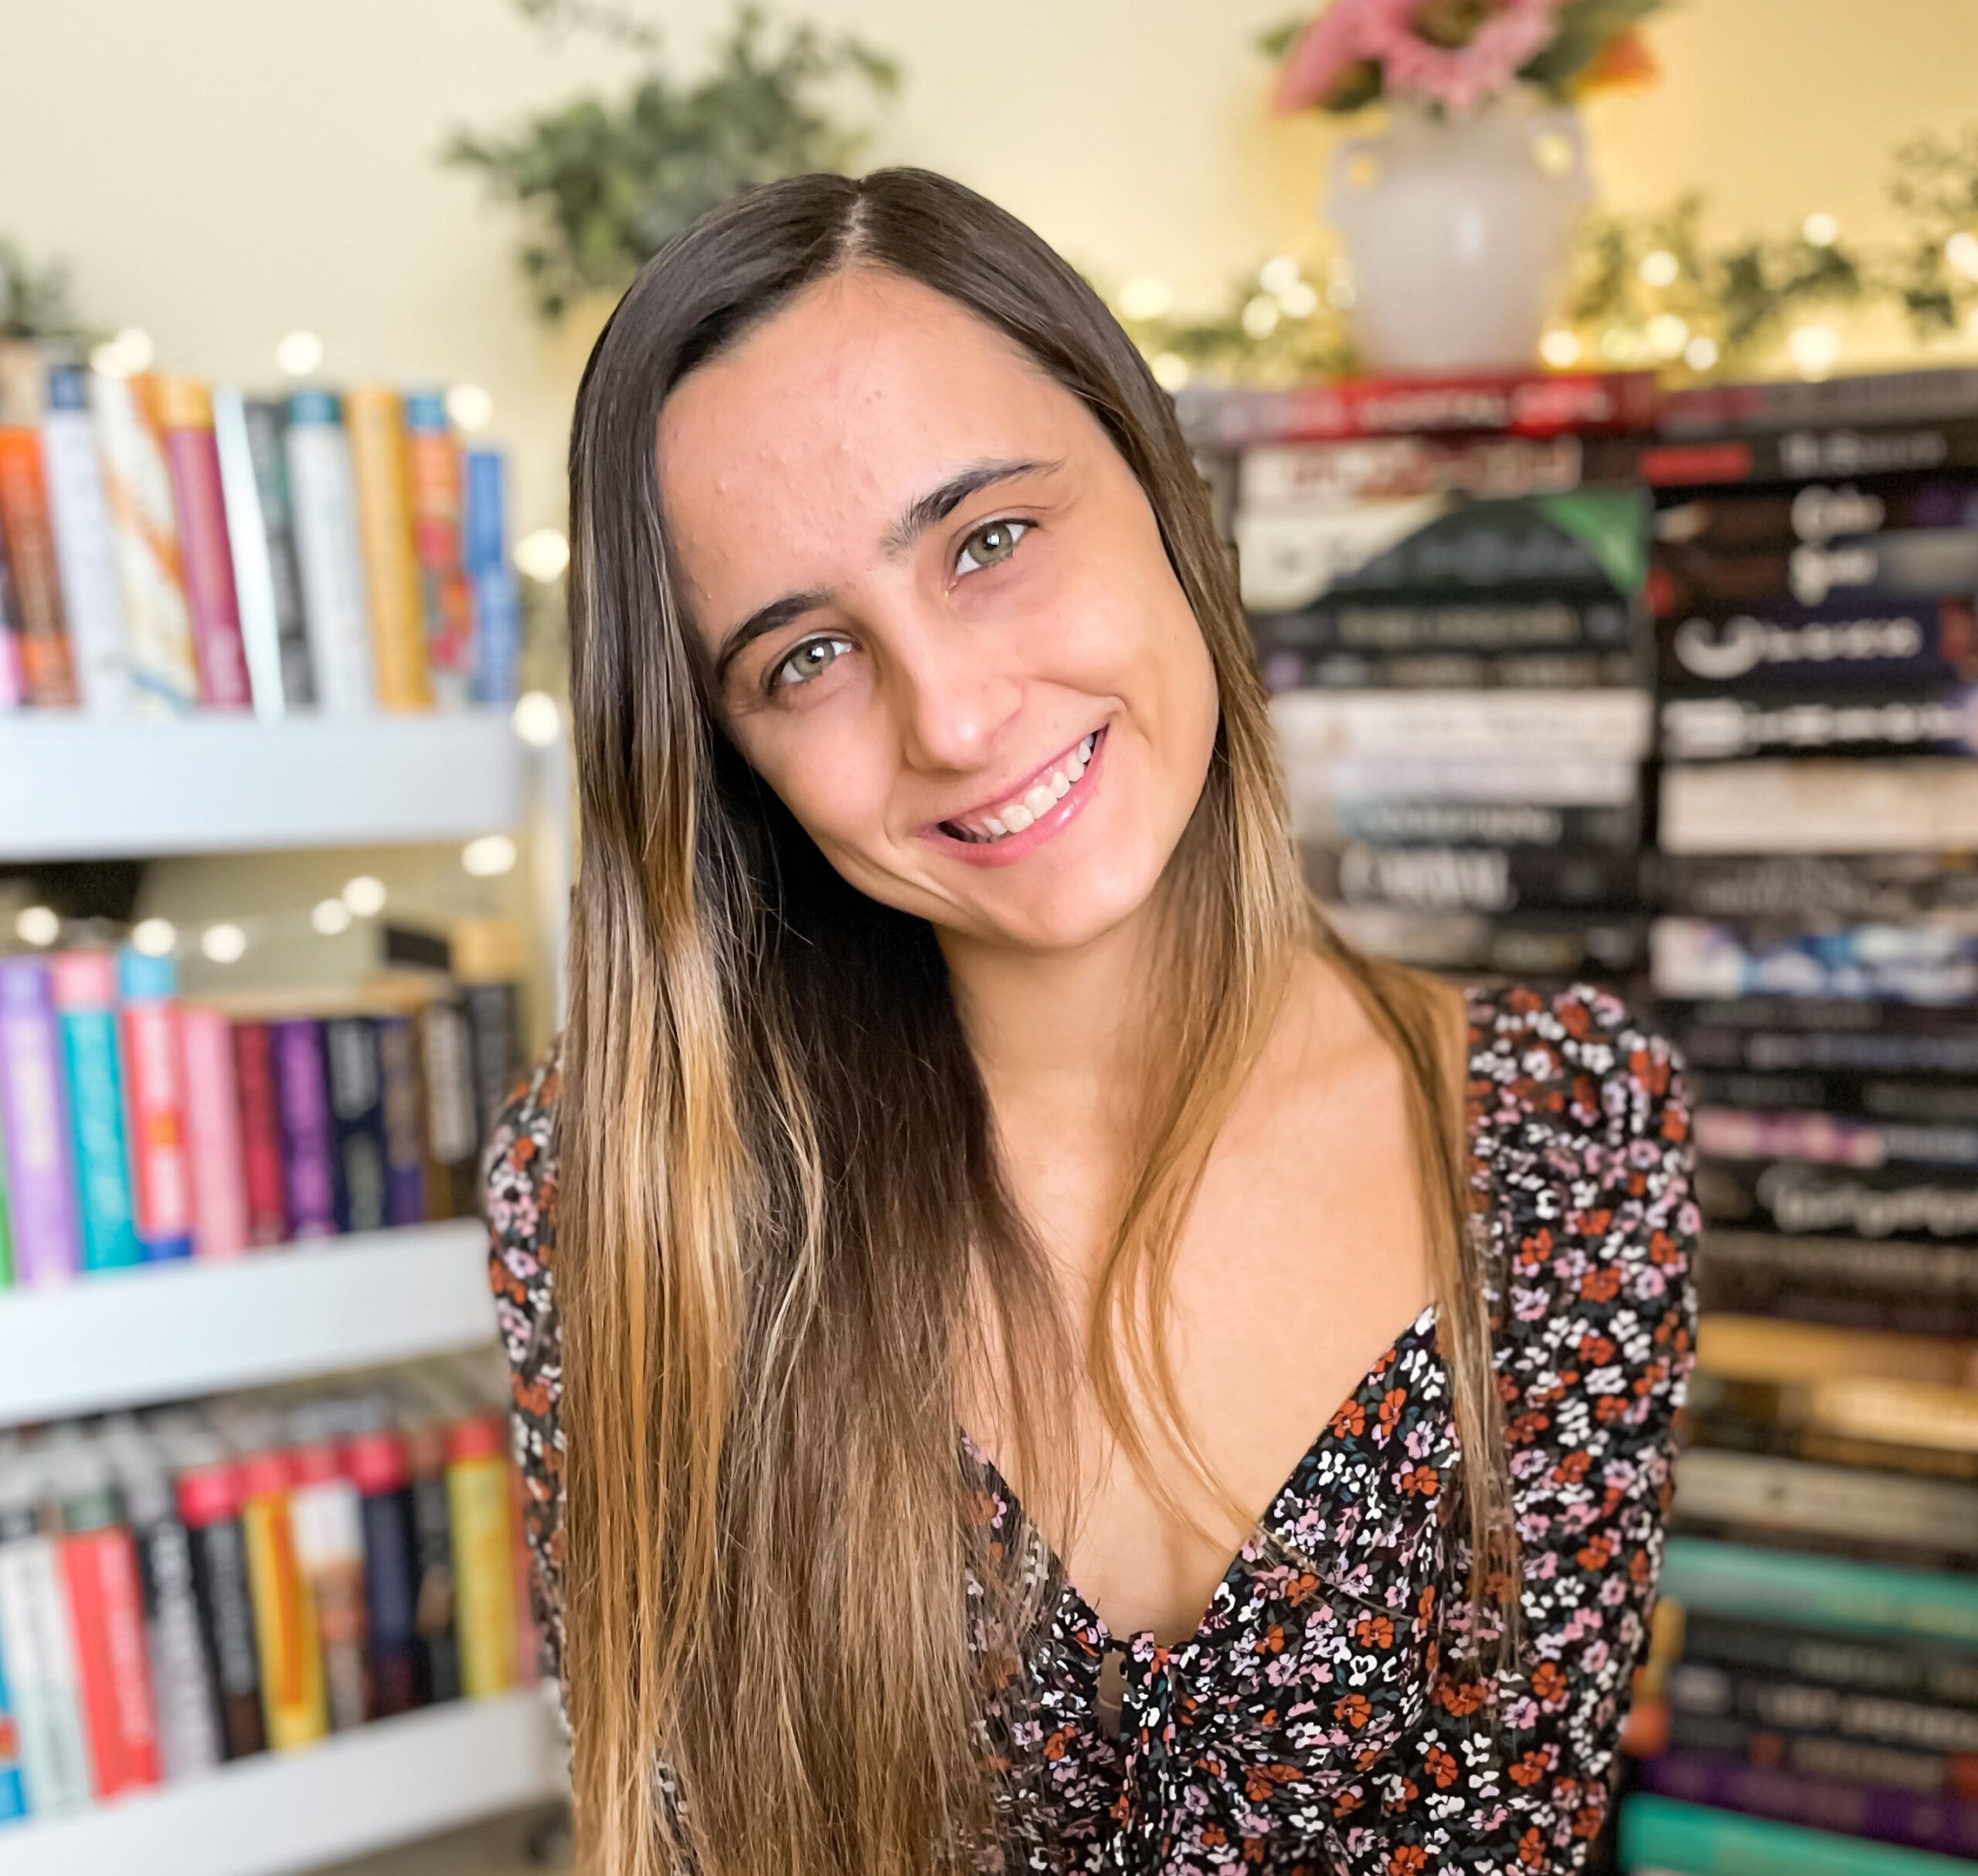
[{"x": 954, "y": 696}]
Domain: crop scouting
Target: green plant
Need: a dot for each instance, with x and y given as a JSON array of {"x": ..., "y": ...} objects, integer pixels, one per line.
[
  {"x": 605, "y": 183},
  {"x": 34, "y": 301}
]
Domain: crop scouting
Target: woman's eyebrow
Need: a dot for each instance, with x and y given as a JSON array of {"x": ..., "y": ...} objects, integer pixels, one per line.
[{"x": 919, "y": 515}]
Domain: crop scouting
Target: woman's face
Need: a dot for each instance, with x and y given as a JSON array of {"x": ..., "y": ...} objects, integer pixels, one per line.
[{"x": 927, "y": 581}]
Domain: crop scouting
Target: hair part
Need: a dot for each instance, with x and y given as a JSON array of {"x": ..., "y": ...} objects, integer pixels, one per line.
[{"x": 781, "y": 1210}]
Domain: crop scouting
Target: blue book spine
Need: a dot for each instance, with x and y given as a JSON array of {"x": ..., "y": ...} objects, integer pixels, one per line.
[
  {"x": 497, "y": 605},
  {"x": 103, "y": 1165},
  {"x": 13, "y": 1791}
]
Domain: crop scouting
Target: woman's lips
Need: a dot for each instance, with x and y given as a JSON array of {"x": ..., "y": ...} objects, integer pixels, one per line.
[{"x": 1013, "y": 847}]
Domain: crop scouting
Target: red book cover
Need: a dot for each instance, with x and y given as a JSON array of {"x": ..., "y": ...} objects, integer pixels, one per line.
[
  {"x": 106, "y": 1612},
  {"x": 186, "y": 426},
  {"x": 1596, "y": 403},
  {"x": 48, "y": 665},
  {"x": 260, "y": 1132}
]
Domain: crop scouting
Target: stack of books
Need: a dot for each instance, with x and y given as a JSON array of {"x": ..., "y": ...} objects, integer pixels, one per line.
[
  {"x": 137, "y": 1127},
  {"x": 208, "y": 1582},
  {"x": 167, "y": 545},
  {"x": 1444, "y": 579},
  {"x": 1815, "y": 956}
]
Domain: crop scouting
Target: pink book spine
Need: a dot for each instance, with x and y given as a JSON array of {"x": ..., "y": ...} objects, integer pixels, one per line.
[
  {"x": 154, "y": 1103},
  {"x": 191, "y": 455},
  {"x": 212, "y": 1135}
]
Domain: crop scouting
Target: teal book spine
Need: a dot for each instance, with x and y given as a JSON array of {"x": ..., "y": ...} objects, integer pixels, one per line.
[
  {"x": 84, "y": 996},
  {"x": 1829, "y": 1592},
  {"x": 1666, "y": 1833}
]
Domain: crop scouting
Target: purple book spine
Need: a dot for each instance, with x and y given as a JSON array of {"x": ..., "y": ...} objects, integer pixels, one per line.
[
  {"x": 1922, "y": 1821},
  {"x": 303, "y": 1097},
  {"x": 34, "y": 1117}
]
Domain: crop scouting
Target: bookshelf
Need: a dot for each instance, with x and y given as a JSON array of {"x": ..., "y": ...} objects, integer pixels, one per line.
[
  {"x": 390, "y": 1781},
  {"x": 75, "y": 787},
  {"x": 166, "y": 1332}
]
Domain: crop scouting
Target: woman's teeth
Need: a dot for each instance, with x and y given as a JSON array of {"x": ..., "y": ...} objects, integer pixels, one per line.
[{"x": 1014, "y": 817}]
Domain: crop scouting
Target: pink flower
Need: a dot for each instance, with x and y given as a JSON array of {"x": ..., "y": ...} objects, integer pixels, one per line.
[
  {"x": 1457, "y": 75},
  {"x": 1324, "y": 53}
]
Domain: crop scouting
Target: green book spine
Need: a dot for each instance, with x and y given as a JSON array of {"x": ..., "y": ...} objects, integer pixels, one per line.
[
  {"x": 1667, "y": 1834},
  {"x": 1828, "y": 1592}
]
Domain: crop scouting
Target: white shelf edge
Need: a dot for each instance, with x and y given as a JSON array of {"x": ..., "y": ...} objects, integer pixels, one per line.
[
  {"x": 392, "y": 1781},
  {"x": 74, "y": 786},
  {"x": 166, "y": 1332}
]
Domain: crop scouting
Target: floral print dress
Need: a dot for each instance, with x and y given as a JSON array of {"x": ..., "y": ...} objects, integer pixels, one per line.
[{"x": 1317, "y": 1721}]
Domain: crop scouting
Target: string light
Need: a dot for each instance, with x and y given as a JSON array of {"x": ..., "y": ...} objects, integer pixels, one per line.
[
  {"x": 1300, "y": 299},
  {"x": 1171, "y": 370},
  {"x": 329, "y": 917},
  {"x": 489, "y": 857},
  {"x": 469, "y": 406},
  {"x": 1260, "y": 315},
  {"x": 1145, "y": 297},
  {"x": 1660, "y": 268},
  {"x": 1700, "y": 353},
  {"x": 1820, "y": 229},
  {"x": 298, "y": 354},
  {"x": 155, "y": 937},
  {"x": 536, "y": 720},
  {"x": 1813, "y": 349},
  {"x": 1560, "y": 347},
  {"x": 37, "y": 925},
  {"x": 1667, "y": 334},
  {"x": 1278, "y": 273},
  {"x": 224, "y": 943},
  {"x": 541, "y": 556},
  {"x": 365, "y": 895},
  {"x": 1961, "y": 251}
]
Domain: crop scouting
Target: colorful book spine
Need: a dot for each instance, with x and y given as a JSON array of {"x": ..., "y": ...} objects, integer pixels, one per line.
[
  {"x": 209, "y": 1499},
  {"x": 267, "y": 583},
  {"x": 154, "y": 1096},
  {"x": 6, "y": 1228},
  {"x": 433, "y": 452},
  {"x": 286, "y": 1635},
  {"x": 13, "y": 1788},
  {"x": 34, "y": 1126},
  {"x": 330, "y": 553},
  {"x": 107, "y": 1616},
  {"x": 438, "y": 1599},
  {"x": 84, "y": 985},
  {"x": 13, "y": 686},
  {"x": 40, "y": 1649},
  {"x": 483, "y": 1564},
  {"x": 309, "y": 1179},
  {"x": 47, "y": 664},
  {"x": 375, "y": 1463},
  {"x": 452, "y": 1132},
  {"x": 329, "y": 1551},
  {"x": 376, "y": 418},
  {"x": 357, "y": 1120},
  {"x": 260, "y": 1131},
  {"x": 497, "y": 605},
  {"x": 213, "y": 1128},
  {"x": 405, "y": 1169},
  {"x": 185, "y": 422},
  {"x": 85, "y": 543},
  {"x": 144, "y": 527}
]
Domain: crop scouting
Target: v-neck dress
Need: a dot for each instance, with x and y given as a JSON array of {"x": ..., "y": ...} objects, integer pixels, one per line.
[{"x": 1317, "y": 1723}]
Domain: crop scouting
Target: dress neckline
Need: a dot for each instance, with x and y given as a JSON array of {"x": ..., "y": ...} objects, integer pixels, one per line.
[{"x": 1139, "y": 1644}]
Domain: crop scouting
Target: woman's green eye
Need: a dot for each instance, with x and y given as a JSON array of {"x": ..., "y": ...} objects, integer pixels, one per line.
[
  {"x": 999, "y": 539},
  {"x": 802, "y": 662}
]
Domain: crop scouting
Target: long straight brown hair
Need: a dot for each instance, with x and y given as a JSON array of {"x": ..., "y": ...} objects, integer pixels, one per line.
[{"x": 781, "y": 1209}]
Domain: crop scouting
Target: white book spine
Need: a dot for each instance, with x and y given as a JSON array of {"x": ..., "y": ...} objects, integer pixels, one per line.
[
  {"x": 324, "y": 492},
  {"x": 36, "y": 1633},
  {"x": 253, "y": 577},
  {"x": 86, "y": 551}
]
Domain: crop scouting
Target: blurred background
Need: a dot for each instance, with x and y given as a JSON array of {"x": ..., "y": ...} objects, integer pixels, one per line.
[{"x": 1590, "y": 390}]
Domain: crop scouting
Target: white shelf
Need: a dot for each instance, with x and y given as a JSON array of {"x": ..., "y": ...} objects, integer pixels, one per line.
[
  {"x": 74, "y": 786},
  {"x": 347, "y": 1795},
  {"x": 166, "y": 1332}
]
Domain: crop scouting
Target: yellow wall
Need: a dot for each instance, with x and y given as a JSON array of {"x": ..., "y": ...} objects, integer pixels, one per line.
[{"x": 220, "y": 171}]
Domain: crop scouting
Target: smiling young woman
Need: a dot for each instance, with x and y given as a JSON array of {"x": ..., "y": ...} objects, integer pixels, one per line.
[{"x": 956, "y": 1066}]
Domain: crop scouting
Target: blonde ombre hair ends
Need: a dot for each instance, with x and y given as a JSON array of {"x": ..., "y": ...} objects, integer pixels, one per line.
[{"x": 779, "y": 1213}]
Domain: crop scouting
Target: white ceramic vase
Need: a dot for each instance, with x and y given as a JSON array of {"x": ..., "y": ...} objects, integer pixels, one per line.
[{"x": 1459, "y": 231}]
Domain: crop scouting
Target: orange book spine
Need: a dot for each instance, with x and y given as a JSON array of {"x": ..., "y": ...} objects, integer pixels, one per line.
[
  {"x": 48, "y": 666},
  {"x": 375, "y": 417}
]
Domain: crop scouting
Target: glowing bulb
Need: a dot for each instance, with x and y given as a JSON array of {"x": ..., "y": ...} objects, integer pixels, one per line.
[
  {"x": 1560, "y": 347},
  {"x": 365, "y": 895},
  {"x": 536, "y": 720},
  {"x": 1300, "y": 299},
  {"x": 1145, "y": 297},
  {"x": 1278, "y": 273},
  {"x": 543, "y": 556},
  {"x": 225, "y": 944},
  {"x": 331, "y": 916},
  {"x": 108, "y": 360},
  {"x": 1820, "y": 229},
  {"x": 490, "y": 856},
  {"x": 155, "y": 937},
  {"x": 37, "y": 925},
  {"x": 299, "y": 354},
  {"x": 1667, "y": 334},
  {"x": 135, "y": 344},
  {"x": 1260, "y": 316},
  {"x": 1660, "y": 268},
  {"x": 1961, "y": 251},
  {"x": 1813, "y": 349},
  {"x": 469, "y": 406},
  {"x": 1170, "y": 370},
  {"x": 1700, "y": 354}
]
